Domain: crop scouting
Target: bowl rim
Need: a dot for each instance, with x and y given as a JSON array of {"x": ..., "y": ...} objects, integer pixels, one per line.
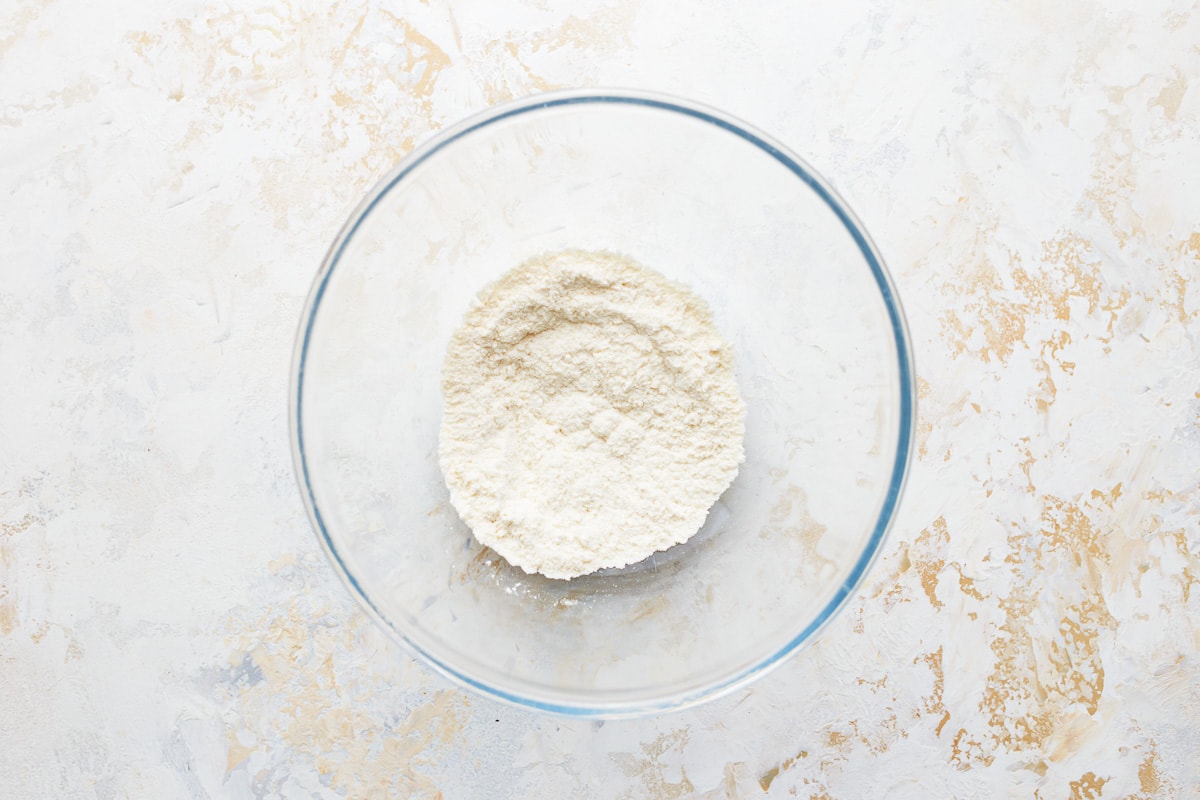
[{"x": 608, "y": 709}]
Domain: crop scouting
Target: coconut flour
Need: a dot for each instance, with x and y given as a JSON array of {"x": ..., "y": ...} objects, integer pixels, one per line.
[{"x": 591, "y": 414}]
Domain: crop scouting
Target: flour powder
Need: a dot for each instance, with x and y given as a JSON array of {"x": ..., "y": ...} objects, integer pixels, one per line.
[{"x": 591, "y": 414}]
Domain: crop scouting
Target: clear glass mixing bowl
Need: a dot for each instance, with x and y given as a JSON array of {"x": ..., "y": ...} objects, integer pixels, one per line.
[{"x": 823, "y": 362}]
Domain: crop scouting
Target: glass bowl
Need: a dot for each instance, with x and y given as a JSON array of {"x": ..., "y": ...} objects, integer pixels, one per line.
[{"x": 823, "y": 361}]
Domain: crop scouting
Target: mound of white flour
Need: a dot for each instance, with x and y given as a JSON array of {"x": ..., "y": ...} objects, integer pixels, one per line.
[{"x": 591, "y": 414}]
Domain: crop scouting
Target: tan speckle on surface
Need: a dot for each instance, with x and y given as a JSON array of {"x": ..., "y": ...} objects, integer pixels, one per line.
[{"x": 1088, "y": 787}]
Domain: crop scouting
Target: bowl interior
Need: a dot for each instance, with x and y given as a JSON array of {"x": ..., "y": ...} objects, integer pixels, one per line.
[{"x": 821, "y": 360}]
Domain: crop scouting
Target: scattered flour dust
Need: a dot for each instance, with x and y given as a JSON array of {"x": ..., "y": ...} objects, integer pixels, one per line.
[{"x": 591, "y": 414}]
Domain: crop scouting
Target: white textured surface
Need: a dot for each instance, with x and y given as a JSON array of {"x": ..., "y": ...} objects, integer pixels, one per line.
[{"x": 169, "y": 177}]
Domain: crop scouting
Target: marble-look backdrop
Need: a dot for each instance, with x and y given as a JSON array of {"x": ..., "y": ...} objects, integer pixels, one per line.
[{"x": 170, "y": 174}]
